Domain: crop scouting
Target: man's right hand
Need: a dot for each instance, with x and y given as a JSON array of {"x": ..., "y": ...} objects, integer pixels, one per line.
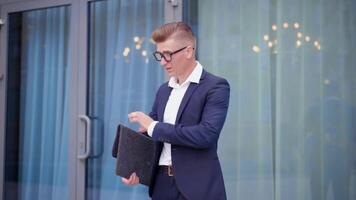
[
  {"x": 132, "y": 180},
  {"x": 142, "y": 129}
]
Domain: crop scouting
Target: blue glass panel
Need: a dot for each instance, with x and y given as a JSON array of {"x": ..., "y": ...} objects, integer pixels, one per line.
[{"x": 290, "y": 130}]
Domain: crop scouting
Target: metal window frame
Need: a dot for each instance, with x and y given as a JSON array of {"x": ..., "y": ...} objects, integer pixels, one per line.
[{"x": 173, "y": 10}]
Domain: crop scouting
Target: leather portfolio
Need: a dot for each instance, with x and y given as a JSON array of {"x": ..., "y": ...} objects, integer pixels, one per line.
[{"x": 134, "y": 152}]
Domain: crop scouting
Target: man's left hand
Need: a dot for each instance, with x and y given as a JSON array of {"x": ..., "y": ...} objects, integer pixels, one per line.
[{"x": 141, "y": 118}]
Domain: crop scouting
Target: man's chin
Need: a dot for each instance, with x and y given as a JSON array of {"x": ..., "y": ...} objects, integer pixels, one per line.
[{"x": 170, "y": 74}]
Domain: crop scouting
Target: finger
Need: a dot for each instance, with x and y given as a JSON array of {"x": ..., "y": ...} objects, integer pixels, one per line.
[
  {"x": 135, "y": 179},
  {"x": 126, "y": 181},
  {"x": 129, "y": 180},
  {"x": 142, "y": 129},
  {"x": 132, "y": 117},
  {"x": 132, "y": 177}
]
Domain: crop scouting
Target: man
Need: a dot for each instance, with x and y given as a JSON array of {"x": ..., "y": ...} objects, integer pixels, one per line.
[{"x": 187, "y": 117}]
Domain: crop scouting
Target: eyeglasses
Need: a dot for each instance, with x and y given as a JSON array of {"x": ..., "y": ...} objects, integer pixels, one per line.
[{"x": 167, "y": 56}]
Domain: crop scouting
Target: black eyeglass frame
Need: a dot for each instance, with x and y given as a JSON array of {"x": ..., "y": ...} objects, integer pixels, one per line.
[{"x": 162, "y": 55}]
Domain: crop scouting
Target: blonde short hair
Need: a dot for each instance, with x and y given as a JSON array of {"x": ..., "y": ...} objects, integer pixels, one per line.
[{"x": 176, "y": 30}]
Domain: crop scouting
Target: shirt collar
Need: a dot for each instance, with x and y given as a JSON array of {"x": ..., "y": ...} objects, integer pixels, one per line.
[{"x": 194, "y": 77}]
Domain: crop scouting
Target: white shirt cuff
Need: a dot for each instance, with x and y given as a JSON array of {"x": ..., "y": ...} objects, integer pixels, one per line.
[{"x": 151, "y": 127}]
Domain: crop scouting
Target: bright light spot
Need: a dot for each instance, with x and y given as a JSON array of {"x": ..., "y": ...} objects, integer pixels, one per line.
[
  {"x": 270, "y": 44},
  {"x": 136, "y": 39},
  {"x": 274, "y": 27},
  {"x": 316, "y": 43},
  {"x": 265, "y": 37},
  {"x": 298, "y": 43},
  {"x": 144, "y": 53},
  {"x": 138, "y": 46},
  {"x": 296, "y": 25},
  {"x": 285, "y": 25},
  {"x": 299, "y": 35},
  {"x": 126, "y": 51},
  {"x": 307, "y": 38},
  {"x": 256, "y": 49}
]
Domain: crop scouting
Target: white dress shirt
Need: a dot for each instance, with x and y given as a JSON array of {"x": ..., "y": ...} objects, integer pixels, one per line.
[{"x": 171, "y": 110}]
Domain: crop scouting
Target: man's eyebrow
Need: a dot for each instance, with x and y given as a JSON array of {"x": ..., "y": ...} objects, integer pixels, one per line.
[{"x": 165, "y": 51}]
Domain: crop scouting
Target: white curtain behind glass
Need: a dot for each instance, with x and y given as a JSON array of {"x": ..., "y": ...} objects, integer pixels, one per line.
[
  {"x": 226, "y": 31},
  {"x": 123, "y": 78},
  {"x": 316, "y": 105},
  {"x": 44, "y": 104},
  {"x": 289, "y": 132}
]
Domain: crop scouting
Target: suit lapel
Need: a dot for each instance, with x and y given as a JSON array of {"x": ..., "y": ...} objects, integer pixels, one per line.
[
  {"x": 188, "y": 94},
  {"x": 192, "y": 87}
]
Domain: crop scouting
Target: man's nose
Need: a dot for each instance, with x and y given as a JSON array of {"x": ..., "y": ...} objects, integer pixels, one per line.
[{"x": 163, "y": 62}]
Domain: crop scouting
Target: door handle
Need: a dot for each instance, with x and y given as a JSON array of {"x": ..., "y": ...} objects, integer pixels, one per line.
[{"x": 87, "y": 122}]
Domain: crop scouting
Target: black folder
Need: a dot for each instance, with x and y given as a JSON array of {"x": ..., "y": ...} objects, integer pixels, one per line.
[{"x": 134, "y": 152}]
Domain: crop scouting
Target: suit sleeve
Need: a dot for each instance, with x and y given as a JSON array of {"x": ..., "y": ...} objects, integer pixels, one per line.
[
  {"x": 153, "y": 113},
  {"x": 206, "y": 133}
]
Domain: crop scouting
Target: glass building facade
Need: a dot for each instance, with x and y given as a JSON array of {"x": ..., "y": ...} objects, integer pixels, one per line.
[{"x": 71, "y": 71}]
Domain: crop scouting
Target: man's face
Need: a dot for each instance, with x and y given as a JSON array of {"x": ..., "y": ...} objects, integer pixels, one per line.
[{"x": 177, "y": 64}]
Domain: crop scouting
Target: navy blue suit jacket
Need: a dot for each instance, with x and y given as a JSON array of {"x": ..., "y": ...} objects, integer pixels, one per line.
[{"x": 194, "y": 136}]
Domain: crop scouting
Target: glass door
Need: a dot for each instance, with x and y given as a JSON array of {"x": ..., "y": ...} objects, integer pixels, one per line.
[
  {"x": 35, "y": 91},
  {"x": 36, "y": 159},
  {"x": 122, "y": 77}
]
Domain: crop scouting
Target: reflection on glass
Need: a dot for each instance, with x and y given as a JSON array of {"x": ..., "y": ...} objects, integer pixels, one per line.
[
  {"x": 265, "y": 37},
  {"x": 285, "y": 25},
  {"x": 290, "y": 130},
  {"x": 296, "y": 25}
]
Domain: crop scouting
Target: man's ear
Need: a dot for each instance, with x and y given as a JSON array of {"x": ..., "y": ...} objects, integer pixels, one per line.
[{"x": 190, "y": 52}]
